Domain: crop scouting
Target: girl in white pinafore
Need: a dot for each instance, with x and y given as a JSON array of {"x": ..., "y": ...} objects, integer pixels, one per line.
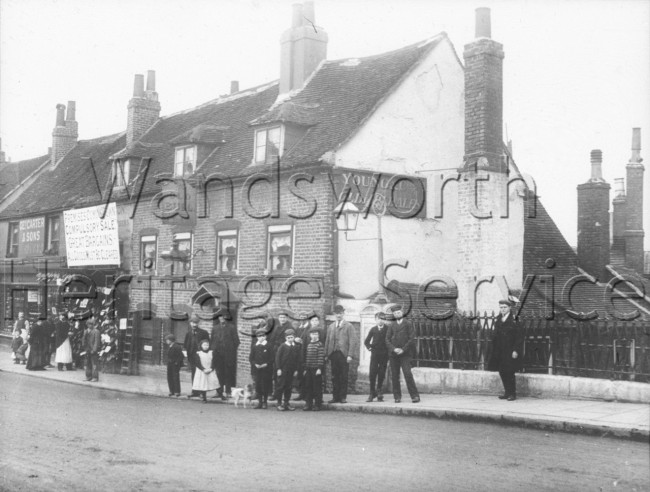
[{"x": 205, "y": 378}]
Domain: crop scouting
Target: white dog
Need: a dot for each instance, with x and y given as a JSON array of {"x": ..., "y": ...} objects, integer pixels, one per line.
[{"x": 244, "y": 393}]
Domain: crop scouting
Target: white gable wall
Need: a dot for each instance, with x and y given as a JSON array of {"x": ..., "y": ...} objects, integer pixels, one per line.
[{"x": 419, "y": 128}]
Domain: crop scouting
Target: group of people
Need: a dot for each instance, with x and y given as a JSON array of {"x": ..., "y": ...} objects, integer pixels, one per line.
[
  {"x": 284, "y": 355},
  {"x": 73, "y": 347}
]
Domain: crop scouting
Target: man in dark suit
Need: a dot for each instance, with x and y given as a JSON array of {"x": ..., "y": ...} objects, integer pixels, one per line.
[
  {"x": 191, "y": 344},
  {"x": 375, "y": 342},
  {"x": 341, "y": 348},
  {"x": 400, "y": 340},
  {"x": 507, "y": 349},
  {"x": 224, "y": 344},
  {"x": 174, "y": 364},
  {"x": 91, "y": 344}
]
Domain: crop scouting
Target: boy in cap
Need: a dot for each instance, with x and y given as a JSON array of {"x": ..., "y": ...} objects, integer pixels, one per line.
[
  {"x": 375, "y": 342},
  {"x": 400, "y": 340},
  {"x": 287, "y": 361},
  {"x": 261, "y": 358},
  {"x": 174, "y": 364},
  {"x": 313, "y": 371},
  {"x": 507, "y": 344},
  {"x": 91, "y": 344}
]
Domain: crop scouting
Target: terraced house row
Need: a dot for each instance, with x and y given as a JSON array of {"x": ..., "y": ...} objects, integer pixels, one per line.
[{"x": 355, "y": 181}]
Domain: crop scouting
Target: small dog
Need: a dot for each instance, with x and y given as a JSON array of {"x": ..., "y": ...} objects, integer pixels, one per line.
[{"x": 244, "y": 393}]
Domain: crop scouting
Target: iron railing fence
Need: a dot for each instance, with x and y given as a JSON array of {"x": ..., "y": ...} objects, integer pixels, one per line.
[{"x": 601, "y": 348}]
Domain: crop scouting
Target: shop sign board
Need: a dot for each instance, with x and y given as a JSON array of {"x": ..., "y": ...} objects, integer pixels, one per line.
[
  {"x": 31, "y": 237},
  {"x": 91, "y": 236}
]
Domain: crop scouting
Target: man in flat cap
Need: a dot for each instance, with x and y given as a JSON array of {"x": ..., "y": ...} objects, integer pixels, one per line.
[
  {"x": 400, "y": 340},
  {"x": 507, "y": 345},
  {"x": 191, "y": 344},
  {"x": 375, "y": 342},
  {"x": 342, "y": 347}
]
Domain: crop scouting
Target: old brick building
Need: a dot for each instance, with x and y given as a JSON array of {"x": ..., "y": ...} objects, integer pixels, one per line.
[{"x": 231, "y": 204}]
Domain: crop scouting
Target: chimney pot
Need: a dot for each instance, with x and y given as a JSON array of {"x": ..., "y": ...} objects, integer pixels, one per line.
[
  {"x": 636, "y": 146},
  {"x": 483, "y": 23},
  {"x": 619, "y": 187},
  {"x": 297, "y": 18},
  {"x": 308, "y": 13},
  {"x": 60, "y": 115},
  {"x": 138, "y": 85},
  {"x": 596, "y": 165},
  {"x": 234, "y": 86},
  {"x": 151, "y": 80},
  {"x": 72, "y": 109}
]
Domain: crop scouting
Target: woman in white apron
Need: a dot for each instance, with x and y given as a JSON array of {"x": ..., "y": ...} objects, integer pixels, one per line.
[
  {"x": 205, "y": 377},
  {"x": 63, "y": 356}
]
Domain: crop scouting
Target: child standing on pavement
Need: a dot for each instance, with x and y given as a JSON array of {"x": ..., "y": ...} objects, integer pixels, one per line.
[
  {"x": 205, "y": 377},
  {"x": 261, "y": 359},
  {"x": 313, "y": 374},
  {"x": 174, "y": 364},
  {"x": 287, "y": 362}
]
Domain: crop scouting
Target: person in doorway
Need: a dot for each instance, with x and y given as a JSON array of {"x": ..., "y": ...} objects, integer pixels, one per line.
[
  {"x": 191, "y": 345},
  {"x": 507, "y": 344},
  {"x": 20, "y": 334},
  {"x": 375, "y": 342},
  {"x": 400, "y": 340},
  {"x": 91, "y": 345},
  {"x": 342, "y": 347},
  {"x": 174, "y": 364},
  {"x": 224, "y": 344},
  {"x": 205, "y": 378},
  {"x": 63, "y": 354}
]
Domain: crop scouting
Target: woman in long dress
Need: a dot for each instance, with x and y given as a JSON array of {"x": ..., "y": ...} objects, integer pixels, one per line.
[
  {"x": 205, "y": 377},
  {"x": 63, "y": 333},
  {"x": 38, "y": 340}
]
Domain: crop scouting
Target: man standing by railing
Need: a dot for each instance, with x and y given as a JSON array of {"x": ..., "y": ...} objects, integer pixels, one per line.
[
  {"x": 507, "y": 353},
  {"x": 400, "y": 340}
]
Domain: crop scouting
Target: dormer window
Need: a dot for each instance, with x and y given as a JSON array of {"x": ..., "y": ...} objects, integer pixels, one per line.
[
  {"x": 185, "y": 160},
  {"x": 120, "y": 172},
  {"x": 268, "y": 144}
]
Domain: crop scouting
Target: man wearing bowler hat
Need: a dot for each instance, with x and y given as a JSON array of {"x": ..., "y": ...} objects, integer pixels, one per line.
[
  {"x": 342, "y": 348},
  {"x": 400, "y": 340},
  {"x": 507, "y": 344},
  {"x": 224, "y": 344},
  {"x": 191, "y": 344}
]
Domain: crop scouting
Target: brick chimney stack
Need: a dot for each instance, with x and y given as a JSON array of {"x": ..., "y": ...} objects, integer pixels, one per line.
[
  {"x": 143, "y": 108},
  {"x": 634, "y": 233},
  {"x": 65, "y": 133},
  {"x": 302, "y": 48},
  {"x": 2, "y": 154},
  {"x": 234, "y": 86},
  {"x": 593, "y": 220},
  {"x": 484, "y": 99},
  {"x": 619, "y": 216}
]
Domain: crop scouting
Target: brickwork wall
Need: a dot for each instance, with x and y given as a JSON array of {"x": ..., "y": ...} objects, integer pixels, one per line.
[
  {"x": 312, "y": 257},
  {"x": 142, "y": 113},
  {"x": 634, "y": 233},
  {"x": 593, "y": 227},
  {"x": 64, "y": 138},
  {"x": 484, "y": 101}
]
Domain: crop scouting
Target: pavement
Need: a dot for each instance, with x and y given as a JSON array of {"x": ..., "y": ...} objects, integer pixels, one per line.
[{"x": 592, "y": 417}]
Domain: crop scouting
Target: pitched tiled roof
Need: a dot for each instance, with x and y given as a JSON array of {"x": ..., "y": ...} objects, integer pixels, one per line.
[
  {"x": 543, "y": 242},
  {"x": 13, "y": 173},
  {"x": 336, "y": 100},
  {"x": 72, "y": 183}
]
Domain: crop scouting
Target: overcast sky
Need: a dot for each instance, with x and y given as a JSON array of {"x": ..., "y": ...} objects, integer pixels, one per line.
[{"x": 576, "y": 73}]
